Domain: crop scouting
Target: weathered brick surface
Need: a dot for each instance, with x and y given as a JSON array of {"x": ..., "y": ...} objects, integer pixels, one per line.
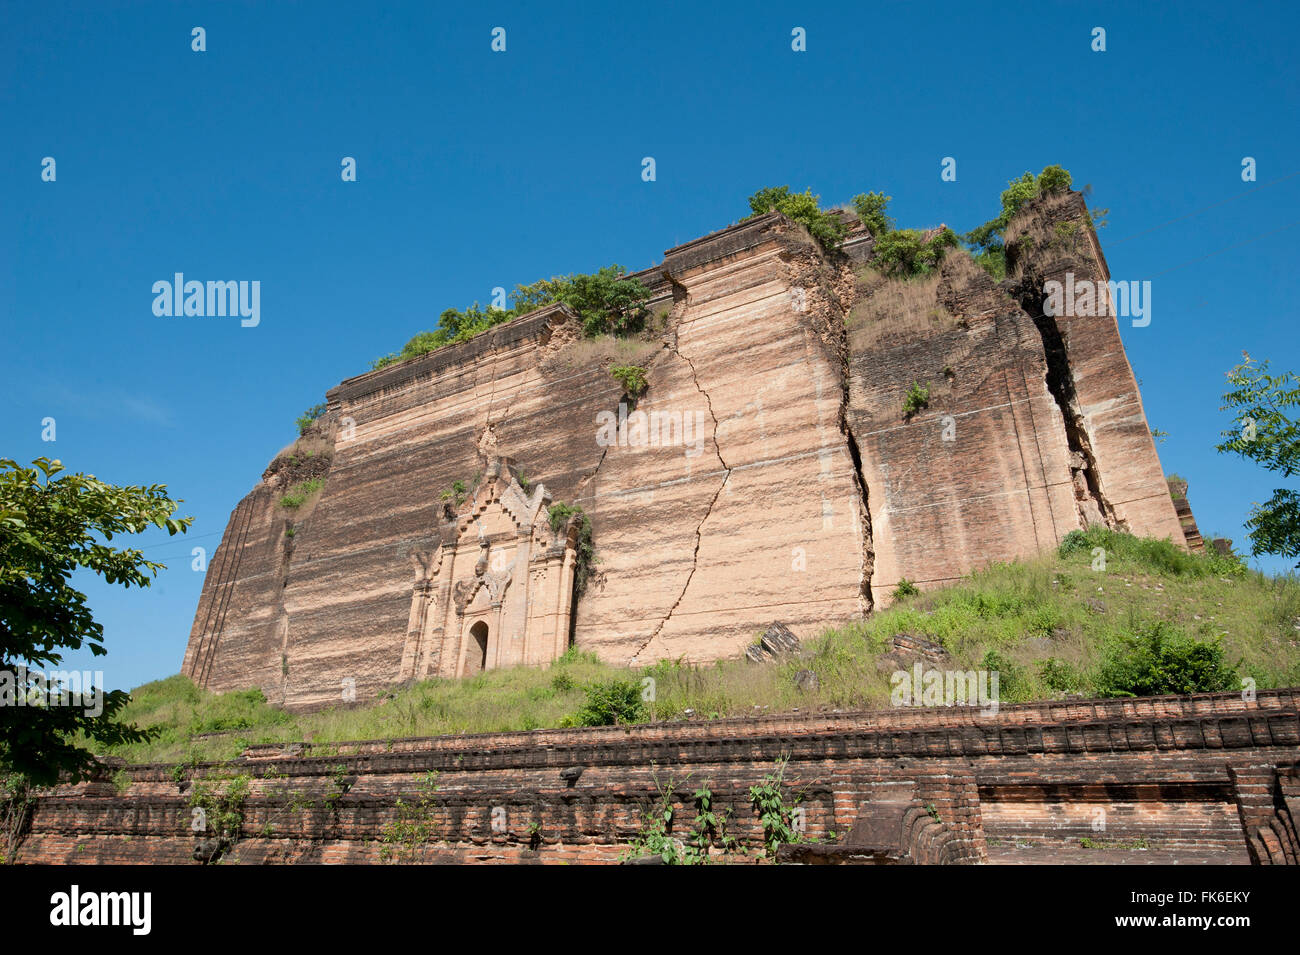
[
  {"x": 1158, "y": 769},
  {"x": 804, "y": 496}
]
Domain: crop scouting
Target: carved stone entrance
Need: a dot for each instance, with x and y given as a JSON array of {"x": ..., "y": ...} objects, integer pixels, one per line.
[{"x": 498, "y": 590}]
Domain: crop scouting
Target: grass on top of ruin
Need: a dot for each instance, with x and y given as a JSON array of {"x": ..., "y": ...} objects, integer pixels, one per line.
[{"x": 1145, "y": 612}]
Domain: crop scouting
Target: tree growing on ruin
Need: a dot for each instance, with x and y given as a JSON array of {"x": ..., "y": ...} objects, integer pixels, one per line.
[
  {"x": 801, "y": 207},
  {"x": 49, "y": 528}
]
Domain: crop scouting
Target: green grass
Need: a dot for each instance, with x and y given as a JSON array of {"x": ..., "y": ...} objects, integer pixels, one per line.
[
  {"x": 1052, "y": 625},
  {"x": 300, "y": 492}
]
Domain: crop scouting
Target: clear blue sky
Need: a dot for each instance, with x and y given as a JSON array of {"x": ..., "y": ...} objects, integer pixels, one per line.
[{"x": 478, "y": 169}]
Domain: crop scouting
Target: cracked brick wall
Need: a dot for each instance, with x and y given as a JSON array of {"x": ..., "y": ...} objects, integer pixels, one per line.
[
  {"x": 1161, "y": 769},
  {"x": 802, "y": 492}
]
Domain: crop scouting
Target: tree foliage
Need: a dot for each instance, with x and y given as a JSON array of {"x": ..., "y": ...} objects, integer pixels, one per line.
[
  {"x": 606, "y": 300},
  {"x": 1159, "y": 660},
  {"x": 990, "y": 235},
  {"x": 308, "y": 418},
  {"x": 49, "y": 528},
  {"x": 870, "y": 207},
  {"x": 911, "y": 252},
  {"x": 803, "y": 207},
  {"x": 1266, "y": 432}
]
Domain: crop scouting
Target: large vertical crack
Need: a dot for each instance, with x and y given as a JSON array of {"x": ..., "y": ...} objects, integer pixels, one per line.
[
  {"x": 831, "y": 290},
  {"x": 680, "y": 293},
  {"x": 1060, "y": 384},
  {"x": 865, "y": 599}
]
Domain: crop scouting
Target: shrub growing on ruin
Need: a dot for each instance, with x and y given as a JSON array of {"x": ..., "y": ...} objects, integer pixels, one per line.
[
  {"x": 904, "y": 589},
  {"x": 308, "y": 418},
  {"x": 989, "y": 237},
  {"x": 1014, "y": 685},
  {"x": 611, "y": 703},
  {"x": 401, "y": 840},
  {"x": 768, "y": 801},
  {"x": 917, "y": 398},
  {"x": 219, "y": 813},
  {"x": 299, "y": 493},
  {"x": 606, "y": 300},
  {"x": 632, "y": 378},
  {"x": 558, "y": 515},
  {"x": 801, "y": 207},
  {"x": 1160, "y": 659},
  {"x": 907, "y": 253},
  {"x": 1060, "y": 675},
  {"x": 870, "y": 207}
]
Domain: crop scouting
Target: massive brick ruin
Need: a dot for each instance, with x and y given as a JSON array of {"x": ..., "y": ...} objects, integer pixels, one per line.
[{"x": 769, "y": 471}]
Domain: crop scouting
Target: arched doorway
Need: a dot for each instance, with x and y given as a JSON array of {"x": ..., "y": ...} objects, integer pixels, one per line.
[{"x": 476, "y": 652}]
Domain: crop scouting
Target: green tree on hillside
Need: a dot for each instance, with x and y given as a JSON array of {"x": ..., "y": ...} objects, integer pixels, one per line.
[
  {"x": 1265, "y": 431},
  {"x": 49, "y": 528}
]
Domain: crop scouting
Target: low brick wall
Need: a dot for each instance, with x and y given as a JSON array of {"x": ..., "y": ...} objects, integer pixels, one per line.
[{"x": 1164, "y": 772}]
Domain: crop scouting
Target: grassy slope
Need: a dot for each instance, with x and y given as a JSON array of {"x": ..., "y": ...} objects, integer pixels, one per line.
[{"x": 1054, "y": 607}]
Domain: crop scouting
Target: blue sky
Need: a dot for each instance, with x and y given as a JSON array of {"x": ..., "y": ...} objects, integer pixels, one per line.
[{"x": 478, "y": 169}]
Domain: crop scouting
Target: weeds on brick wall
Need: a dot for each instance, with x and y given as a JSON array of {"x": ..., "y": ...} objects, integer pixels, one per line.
[
  {"x": 988, "y": 241},
  {"x": 217, "y": 813},
  {"x": 632, "y": 378},
  {"x": 768, "y": 800},
  {"x": 558, "y": 516},
  {"x": 308, "y": 418},
  {"x": 606, "y": 301},
  {"x": 402, "y": 839},
  {"x": 802, "y": 207},
  {"x": 454, "y": 496},
  {"x": 122, "y": 781},
  {"x": 654, "y": 838},
  {"x": 17, "y": 802},
  {"x": 299, "y": 493},
  {"x": 916, "y": 399},
  {"x": 1086, "y": 842},
  {"x": 708, "y": 831}
]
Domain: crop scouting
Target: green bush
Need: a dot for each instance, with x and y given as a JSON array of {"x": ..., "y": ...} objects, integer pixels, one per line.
[
  {"x": 631, "y": 377},
  {"x": 870, "y": 207},
  {"x": 801, "y": 207},
  {"x": 606, "y": 301},
  {"x": 905, "y": 253},
  {"x": 308, "y": 417},
  {"x": 917, "y": 398},
  {"x": 300, "y": 492},
  {"x": 1014, "y": 685},
  {"x": 990, "y": 235},
  {"x": 994, "y": 262},
  {"x": 558, "y": 515},
  {"x": 1161, "y": 659},
  {"x": 905, "y": 588},
  {"x": 1060, "y": 676},
  {"x": 611, "y": 703}
]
